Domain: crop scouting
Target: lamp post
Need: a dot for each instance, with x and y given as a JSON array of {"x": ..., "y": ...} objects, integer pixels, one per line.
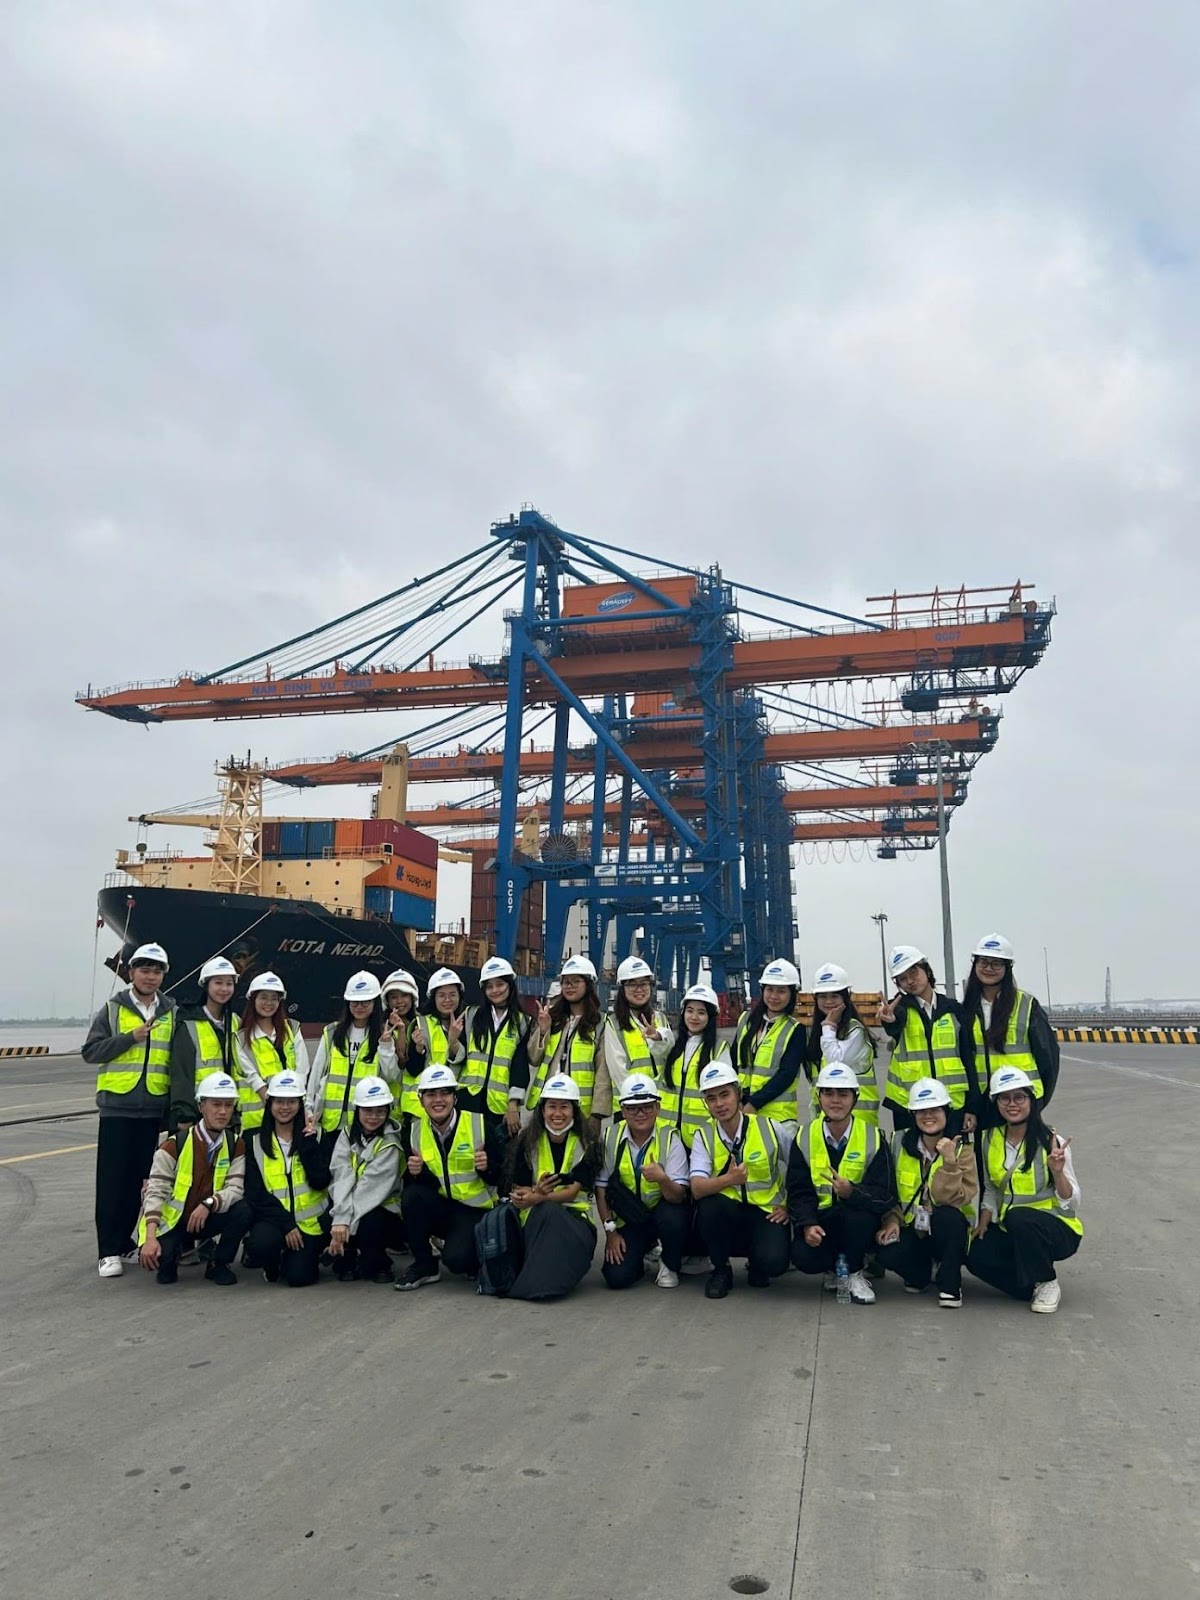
[{"x": 879, "y": 918}]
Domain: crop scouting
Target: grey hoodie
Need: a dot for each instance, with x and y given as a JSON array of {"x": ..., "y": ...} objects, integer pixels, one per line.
[{"x": 376, "y": 1183}]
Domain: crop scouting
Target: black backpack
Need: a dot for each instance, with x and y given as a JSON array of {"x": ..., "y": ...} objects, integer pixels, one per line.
[{"x": 500, "y": 1247}]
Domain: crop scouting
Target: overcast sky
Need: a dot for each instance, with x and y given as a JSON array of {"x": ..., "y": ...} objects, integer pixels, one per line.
[{"x": 297, "y": 298}]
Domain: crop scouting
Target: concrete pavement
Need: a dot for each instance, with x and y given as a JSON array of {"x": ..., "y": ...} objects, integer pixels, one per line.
[{"x": 352, "y": 1440}]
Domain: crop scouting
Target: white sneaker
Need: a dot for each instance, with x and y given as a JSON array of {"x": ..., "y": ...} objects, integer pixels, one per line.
[
  {"x": 130, "y": 1258},
  {"x": 861, "y": 1291},
  {"x": 666, "y": 1278},
  {"x": 110, "y": 1267},
  {"x": 948, "y": 1301},
  {"x": 654, "y": 1255},
  {"x": 1046, "y": 1297},
  {"x": 696, "y": 1266},
  {"x": 830, "y": 1284}
]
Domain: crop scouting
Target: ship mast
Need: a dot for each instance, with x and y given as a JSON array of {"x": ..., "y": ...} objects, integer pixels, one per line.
[{"x": 237, "y": 849}]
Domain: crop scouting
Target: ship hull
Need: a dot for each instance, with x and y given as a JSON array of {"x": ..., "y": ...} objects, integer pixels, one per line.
[{"x": 313, "y": 950}]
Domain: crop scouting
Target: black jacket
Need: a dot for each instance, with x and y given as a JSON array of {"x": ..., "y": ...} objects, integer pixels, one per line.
[
  {"x": 183, "y": 1107},
  {"x": 1043, "y": 1046},
  {"x": 492, "y": 1143},
  {"x": 876, "y": 1193},
  {"x": 976, "y": 1092},
  {"x": 265, "y": 1208},
  {"x": 791, "y": 1064}
]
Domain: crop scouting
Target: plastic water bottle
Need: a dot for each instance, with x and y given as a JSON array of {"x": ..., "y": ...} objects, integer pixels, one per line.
[{"x": 842, "y": 1273}]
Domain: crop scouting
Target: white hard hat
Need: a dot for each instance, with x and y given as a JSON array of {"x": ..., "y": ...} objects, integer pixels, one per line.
[
  {"x": 217, "y": 1086},
  {"x": 401, "y": 980},
  {"x": 495, "y": 967},
  {"x": 830, "y": 979},
  {"x": 437, "y": 1078},
  {"x": 363, "y": 986},
  {"x": 837, "y": 1075},
  {"x": 560, "y": 1087},
  {"x": 266, "y": 983},
  {"x": 633, "y": 969},
  {"x": 926, "y": 1094},
  {"x": 1006, "y": 1079},
  {"x": 554, "y": 990},
  {"x": 639, "y": 1089},
  {"x": 286, "y": 1086},
  {"x": 441, "y": 979},
  {"x": 716, "y": 1075},
  {"x": 704, "y": 992},
  {"x": 578, "y": 967},
  {"x": 783, "y": 973},
  {"x": 217, "y": 967},
  {"x": 150, "y": 952},
  {"x": 903, "y": 957},
  {"x": 370, "y": 1092},
  {"x": 994, "y": 944}
]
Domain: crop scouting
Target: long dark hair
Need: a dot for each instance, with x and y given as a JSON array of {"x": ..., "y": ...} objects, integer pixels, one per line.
[
  {"x": 251, "y": 1020},
  {"x": 911, "y": 1137},
  {"x": 357, "y": 1134},
  {"x": 623, "y": 1011},
  {"x": 849, "y": 1015},
  {"x": 1038, "y": 1133},
  {"x": 429, "y": 1004},
  {"x": 481, "y": 1025},
  {"x": 708, "y": 1043},
  {"x": 754, "y": 1021},
  {"x": 1002, "y": 1006},
  {"x": 589, "y": 1016},
  {"x": 346, "y": 1021},
  {"x": 266, "y": 1131},
  {"x": 525, "y": 1145}
]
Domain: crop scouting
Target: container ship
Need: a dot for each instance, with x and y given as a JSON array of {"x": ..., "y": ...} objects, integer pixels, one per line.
[{"x": 311, "y": 899}]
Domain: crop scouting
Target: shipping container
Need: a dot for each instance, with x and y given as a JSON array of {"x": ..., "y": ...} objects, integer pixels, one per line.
[
  {"x": 616, "y": 601},
  {"x": 404, "y": 909},
  {"x": 347, "y": 835},
  {"x": 270, "y": 838},
  {"x": 410, "y": 877},
  {"x": 320, "y": 838},
  {"x": 293, "y": 840}
]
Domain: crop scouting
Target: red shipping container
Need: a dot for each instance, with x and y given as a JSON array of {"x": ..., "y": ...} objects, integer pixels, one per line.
[
  {"x": 270, "y": 838},
  {"x": 405, "y": 841}
]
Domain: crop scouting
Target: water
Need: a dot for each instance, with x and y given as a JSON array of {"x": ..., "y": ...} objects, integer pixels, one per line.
[
  {"x": 842, "y": 1273},
  {"x": 60, "y": 1037}
]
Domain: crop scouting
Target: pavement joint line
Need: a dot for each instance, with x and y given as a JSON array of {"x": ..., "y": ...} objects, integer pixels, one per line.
[
  {"x": 1136, "y": 1072},
  {"x": 40, "y": 1155},
  {"x": 39, "y": 1105},
  {"x": 812, "y": 1406}
]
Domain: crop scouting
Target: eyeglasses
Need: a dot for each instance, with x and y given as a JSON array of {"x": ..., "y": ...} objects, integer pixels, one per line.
[
  {"x": 1013, "y": 1097},
  {"x": 988, "y": 961}
]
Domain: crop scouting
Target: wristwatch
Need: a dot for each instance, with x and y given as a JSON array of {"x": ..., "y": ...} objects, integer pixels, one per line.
[
  {"x": 610, "y": 1226},
  {"x": 211, "y": 1202}
]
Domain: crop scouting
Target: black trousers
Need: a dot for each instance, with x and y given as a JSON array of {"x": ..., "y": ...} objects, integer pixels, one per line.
[
  {"x": 913, "y": 1255},
  {"x": 669, "y": 1226},
  {"x": 1014, "y": 1257},
  {"x": 559, "y": 1246},
  {"x": 265, "y": 1248},
  {"x": 848, "y": 1231},
  {"x": 732, "y": 1227},
  {"x": 228, "y": 1228},
  {"x": 125, "y": 1148},
  {"x": 367, "y": 1248},
  {"x": 427, "y": 1213}
]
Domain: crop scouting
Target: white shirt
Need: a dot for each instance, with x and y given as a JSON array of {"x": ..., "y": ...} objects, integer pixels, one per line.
[
  {"x": 147, "y": 1008},
  {"x": 854, "y": 1051},
  {"x": 675, "y": 1165},
  {"x": 701, "y": 1161},
  {"x": 991, "y": 1198}
]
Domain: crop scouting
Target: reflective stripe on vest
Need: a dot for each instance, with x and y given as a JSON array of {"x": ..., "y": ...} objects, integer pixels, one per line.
[
  {"x": 937, "y": 1056},
  {"x": 1020, "y": 1188},
  {"x": 361, "y": 1157},
  {"x": 867, "y": 1104},
  {"x": 578, "y": 1063},
  {"x": 862, "y": 1146},
  {"x": 489, "y": 1068},
  {"x": 340, "y": 1078},
  {"x": 572, "y": 1155},
  {"x": 453, "y": 1164},
  {"x": 405, "y": 1095},
  {"x": 618, "y": 1157},
  {"x": 266, "y": 1059},
  {"x": 637, "y": 1046},
  {"x": 288, "y": 1183},
  {"x": 1016, "y": 1052},
  {"x": 151, "y": 1056},
  {"x": 683, "y": 1106},
  {"x": 215, "y": 1051},
  {"x": 174, "y": 1203},
  {"x": 764, "y": 1186},
  {"x": 768, "y": 1053},
  {"x": 914, "y": 1177}
]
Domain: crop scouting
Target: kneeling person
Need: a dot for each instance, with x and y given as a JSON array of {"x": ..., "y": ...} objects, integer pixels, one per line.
[
  {"x": 839, "y": 1184},
  {"x": 287, "y": 1176},
  {"x": 936, "y": 1185},
  {"x": 194, "y": 1191},
  {"x": 642, "y": 1193},
  {"x": 738, "y": 1170},
  {"x": 364, "y": 1188},
  {"x": 549, "y": 1175}
]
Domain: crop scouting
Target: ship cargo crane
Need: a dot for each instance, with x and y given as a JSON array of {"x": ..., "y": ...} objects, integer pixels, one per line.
[{"x": 667, "y": 747}]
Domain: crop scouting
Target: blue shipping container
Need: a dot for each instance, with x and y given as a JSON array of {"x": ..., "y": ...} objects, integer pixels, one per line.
[
  {"x": 413, "y": 912},
  {"x": 320, "y": 839},
  {"x": 378, "y": 901},
  {"x": 293, "y": 840}
]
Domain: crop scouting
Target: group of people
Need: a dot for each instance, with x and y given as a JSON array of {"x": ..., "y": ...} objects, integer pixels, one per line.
[{"x": 418, "y": 1117}]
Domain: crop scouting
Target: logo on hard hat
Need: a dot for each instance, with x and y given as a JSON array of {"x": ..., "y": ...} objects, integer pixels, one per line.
[
  {"x": 824, "y": 977},
  {"x": 991, "y": 944}
]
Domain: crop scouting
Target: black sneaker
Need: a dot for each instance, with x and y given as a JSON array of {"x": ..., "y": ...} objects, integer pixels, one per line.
[
  {"x": 168, "y": 1274},
  {"x": 384, "y": 1275},
  {"x": 219, "y": 1273},
  {"x": 419, "y": 1274},
  {"x": 720, "y": 1281},
  {"x": 270, "y": 1274},
  {"x": 757, "y": 1278},
  {"x": 345, "y": 1274}
]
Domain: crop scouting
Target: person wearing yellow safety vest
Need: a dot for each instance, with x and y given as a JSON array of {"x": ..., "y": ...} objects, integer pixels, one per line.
[
  {"x": 636, "y": 1037},
  {"x": 1005, "y": 1026},
  {"x": 926, "y": 1033},
  {"x": 357, "y": 1046},
  {"x": 495, "y": 1076},
  {"x": 642, "y": 1191},
  {"x": 267, "y": 1042},
  {"x": 452, "y": 1162},
  {"x": 696, "y": 1044},
  {"x": 839, "y": 1184},
  {"x": 934, "y": 1210},
  {"x": 287, "y": 1178},
  {"x": 401, "y": 999},
  {"x": 838, "y": 1033},
  {"x": 737, "y": 1174},
  {"x": 567, "y": 1035},
  {"x": 437, "y": 1039},
  {"x": 195, "y": 1187},
  {"x": 364, "y": 1188},
  {"x": 549, "y": 1176},
  {"x": 205, "y": 1039},
  {"x": 769, "y": 1045},
  {"x": 130, "y": 1042},
  {"x": 1029, "y": 1214}
]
